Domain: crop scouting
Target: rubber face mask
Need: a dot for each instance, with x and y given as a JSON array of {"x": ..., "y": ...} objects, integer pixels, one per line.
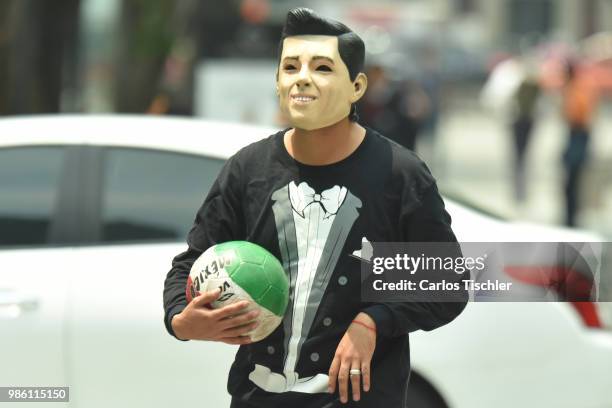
[{"x": 313, "y": 84}]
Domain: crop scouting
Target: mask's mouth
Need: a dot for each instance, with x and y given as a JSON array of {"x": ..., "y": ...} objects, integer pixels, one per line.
[{"x": 302, "y": 98}]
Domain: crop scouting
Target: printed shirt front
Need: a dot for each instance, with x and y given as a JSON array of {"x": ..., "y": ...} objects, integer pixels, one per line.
[{"x": 315, "y": 219}]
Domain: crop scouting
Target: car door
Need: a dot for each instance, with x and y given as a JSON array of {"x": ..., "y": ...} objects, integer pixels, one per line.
[
  {"x": 121, "y": 354},
  {"x": 35, "y": 262}
]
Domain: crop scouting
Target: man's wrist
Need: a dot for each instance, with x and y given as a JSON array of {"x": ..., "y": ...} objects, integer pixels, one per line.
[{"x": 364, "y": 320}]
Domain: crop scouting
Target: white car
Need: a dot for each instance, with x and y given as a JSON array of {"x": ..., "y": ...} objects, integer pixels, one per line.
[{"x": 92, "y": 211}]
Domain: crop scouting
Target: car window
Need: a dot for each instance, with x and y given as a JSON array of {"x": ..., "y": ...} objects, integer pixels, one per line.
[
  {"x": 153, "y": 195},
  {"x": 29, "y": 184}
]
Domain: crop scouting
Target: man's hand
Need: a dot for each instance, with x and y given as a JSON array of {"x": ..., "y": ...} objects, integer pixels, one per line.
[
  {"x": 354, "y": 353},
  {"x": 229, "y": 324}
]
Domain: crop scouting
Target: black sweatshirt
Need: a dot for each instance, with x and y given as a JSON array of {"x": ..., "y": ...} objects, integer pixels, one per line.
[{"x": 313, "y": 218}]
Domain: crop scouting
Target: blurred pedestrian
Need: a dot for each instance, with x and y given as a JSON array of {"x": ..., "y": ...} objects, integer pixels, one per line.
[
  {"x": 511, "y": 92},
  {"x": 431, "y": 82},
  {"x": 394, "y": 108},
  {"x": 174, "y": 95},
  {"x": 525, "y": 101},
  {"x": 579, "y": 104}
]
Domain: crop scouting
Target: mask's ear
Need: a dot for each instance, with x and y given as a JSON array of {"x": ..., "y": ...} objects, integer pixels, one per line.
[
  {"x": 276, "y": 84},
  {"x": 360, "y": 84}
]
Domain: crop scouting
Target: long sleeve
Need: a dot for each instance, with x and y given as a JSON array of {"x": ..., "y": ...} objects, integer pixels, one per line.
[
  {"x": 428, "y": 222},
  {"x": 219, "y": 219}
]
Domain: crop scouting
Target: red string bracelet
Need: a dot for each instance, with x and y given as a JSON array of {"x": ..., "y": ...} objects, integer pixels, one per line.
[{"x": 364, "y": 325}]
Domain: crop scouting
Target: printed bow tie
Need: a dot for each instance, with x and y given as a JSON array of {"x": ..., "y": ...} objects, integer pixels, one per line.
[{"x": 303, "y": 195}]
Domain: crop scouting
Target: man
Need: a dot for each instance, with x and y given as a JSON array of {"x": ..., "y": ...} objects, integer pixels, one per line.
[
  {"x": 579, "y": 106},
  {"x": 525, "y": 103},
  {"x": 310, "y": 194}
]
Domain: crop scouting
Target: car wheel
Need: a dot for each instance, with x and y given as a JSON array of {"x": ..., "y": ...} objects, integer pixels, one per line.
[{"x": 421, "y": 394}]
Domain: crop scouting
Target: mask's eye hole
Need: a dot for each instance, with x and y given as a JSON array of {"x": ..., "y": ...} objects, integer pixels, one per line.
[
  {"x": 324, "y": 68},
  {"x": 289, "y": 67}
]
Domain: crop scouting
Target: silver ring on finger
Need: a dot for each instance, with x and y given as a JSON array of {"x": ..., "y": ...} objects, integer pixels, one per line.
[{"x": 354, "y": 371}]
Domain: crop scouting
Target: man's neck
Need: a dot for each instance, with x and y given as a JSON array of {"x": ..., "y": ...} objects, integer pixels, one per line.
[{"x": 324, "y": 146}]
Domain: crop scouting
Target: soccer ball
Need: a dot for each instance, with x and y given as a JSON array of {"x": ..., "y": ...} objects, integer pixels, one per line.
[{"x": 243, "y": 271}]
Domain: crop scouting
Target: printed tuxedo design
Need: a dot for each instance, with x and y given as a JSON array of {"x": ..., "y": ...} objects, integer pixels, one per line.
[{"x": 312, "y": 231}]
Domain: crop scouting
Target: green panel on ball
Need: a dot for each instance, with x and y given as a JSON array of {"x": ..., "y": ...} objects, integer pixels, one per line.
[
  {"x": 251, "y": 278},
  {"x": 257, "y": 272},
  {"x": 231, "y": 251},
  {"x": 252, "y": 253},
  {"x": 276, "y": 274},
  {"x": 274, "y": 300}
]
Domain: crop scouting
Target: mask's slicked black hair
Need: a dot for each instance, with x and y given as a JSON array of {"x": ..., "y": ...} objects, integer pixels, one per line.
[{"x": 304, "y": 21}]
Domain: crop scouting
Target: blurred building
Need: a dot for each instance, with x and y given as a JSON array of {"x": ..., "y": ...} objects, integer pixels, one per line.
[
  {"x": 510, "y": 21},
  {"x": 504, "y": 23}
]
